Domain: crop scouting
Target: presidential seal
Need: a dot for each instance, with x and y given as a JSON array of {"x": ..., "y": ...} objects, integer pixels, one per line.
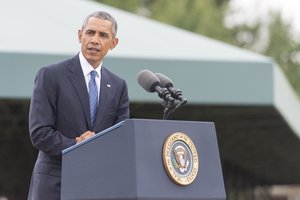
[{"x": 180, "y": 158}]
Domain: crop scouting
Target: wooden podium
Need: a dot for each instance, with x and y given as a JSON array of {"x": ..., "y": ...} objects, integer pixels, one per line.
[{"x": 127, "y": 162}]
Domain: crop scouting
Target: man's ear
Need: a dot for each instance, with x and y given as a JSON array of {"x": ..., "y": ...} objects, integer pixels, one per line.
[
  {"x": 79, "y": 35},
  {"x": 114, "y": 43}
]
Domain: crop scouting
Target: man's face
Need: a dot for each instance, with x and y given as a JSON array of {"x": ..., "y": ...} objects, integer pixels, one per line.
[{"x": 96, "y": 39}]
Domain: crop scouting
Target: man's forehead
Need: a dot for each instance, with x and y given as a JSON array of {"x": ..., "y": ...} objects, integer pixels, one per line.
[
  {"x": 96, "y": 20},
  {"x": 97, "y": 23}
]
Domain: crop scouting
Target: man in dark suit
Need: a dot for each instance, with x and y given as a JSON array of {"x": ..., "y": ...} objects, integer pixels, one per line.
[{"x": 62, "y": 112}]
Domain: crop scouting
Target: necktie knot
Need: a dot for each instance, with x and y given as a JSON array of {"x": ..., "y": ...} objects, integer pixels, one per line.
[{"x": 93, "y": 74}]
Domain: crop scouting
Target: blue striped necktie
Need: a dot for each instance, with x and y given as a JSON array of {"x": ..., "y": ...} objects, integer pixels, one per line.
[{"x": 93, "y": 94}]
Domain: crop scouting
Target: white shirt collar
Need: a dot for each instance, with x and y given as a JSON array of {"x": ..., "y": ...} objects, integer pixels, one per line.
[{"x": 87, "y": 67}]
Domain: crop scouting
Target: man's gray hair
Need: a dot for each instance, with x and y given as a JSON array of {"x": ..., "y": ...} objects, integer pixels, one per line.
[{"x": 105, "y": 16}]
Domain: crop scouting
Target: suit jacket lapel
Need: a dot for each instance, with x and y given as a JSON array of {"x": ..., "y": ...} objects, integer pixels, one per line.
[{"x": 77, "y": 79}]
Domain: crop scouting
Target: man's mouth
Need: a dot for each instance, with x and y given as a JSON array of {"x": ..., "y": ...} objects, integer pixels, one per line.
[{"x": 93, "y": 50}]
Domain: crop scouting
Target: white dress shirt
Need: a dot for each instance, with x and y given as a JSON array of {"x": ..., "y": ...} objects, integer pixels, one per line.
[{"x": 87, "y": 68}]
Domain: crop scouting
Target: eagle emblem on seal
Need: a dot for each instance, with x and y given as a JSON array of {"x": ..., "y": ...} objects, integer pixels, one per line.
[{"x": 180, "y": 155}]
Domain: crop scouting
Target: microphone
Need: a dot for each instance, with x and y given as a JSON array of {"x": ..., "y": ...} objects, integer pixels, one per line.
[
  {"x": 151, "y": 83},
  {"x": 168, "y": 83}
]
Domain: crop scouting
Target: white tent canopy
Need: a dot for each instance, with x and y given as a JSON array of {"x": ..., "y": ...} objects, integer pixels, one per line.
[{"x": 50, "y": 27}]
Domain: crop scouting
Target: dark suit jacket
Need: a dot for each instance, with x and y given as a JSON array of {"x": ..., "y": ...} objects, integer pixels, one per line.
[{"x": 59, "y": 112}]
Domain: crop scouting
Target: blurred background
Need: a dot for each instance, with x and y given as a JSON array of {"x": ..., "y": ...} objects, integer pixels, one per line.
[{"x": 237, "y": 62}]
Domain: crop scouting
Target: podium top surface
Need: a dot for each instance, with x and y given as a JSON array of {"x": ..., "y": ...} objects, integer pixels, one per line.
[{"x": 97, "y": 135}]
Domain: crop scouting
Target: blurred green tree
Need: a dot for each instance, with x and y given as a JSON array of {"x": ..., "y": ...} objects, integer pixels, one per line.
[{"x": 284, "y": 49}]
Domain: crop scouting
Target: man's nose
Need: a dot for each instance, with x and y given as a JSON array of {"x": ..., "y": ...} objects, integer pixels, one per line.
[{"x": 95, "y": 40}]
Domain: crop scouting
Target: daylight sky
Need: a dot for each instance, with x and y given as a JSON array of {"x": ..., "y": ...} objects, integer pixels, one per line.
[{"x": 248, "y": 10}]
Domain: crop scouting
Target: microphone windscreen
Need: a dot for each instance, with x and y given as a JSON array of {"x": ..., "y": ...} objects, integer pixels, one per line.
[
  {"x": 148, "y": 80},
  {"x": 164, "y": 80}
]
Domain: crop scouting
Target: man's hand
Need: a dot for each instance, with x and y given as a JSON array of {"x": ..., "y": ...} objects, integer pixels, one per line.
[{"x": 84, "y": 136}]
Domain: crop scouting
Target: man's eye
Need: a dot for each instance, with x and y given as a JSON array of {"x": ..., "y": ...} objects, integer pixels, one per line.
[
  {"x": 104, "y": 35},
  {"x": 89, "y": 32}
]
